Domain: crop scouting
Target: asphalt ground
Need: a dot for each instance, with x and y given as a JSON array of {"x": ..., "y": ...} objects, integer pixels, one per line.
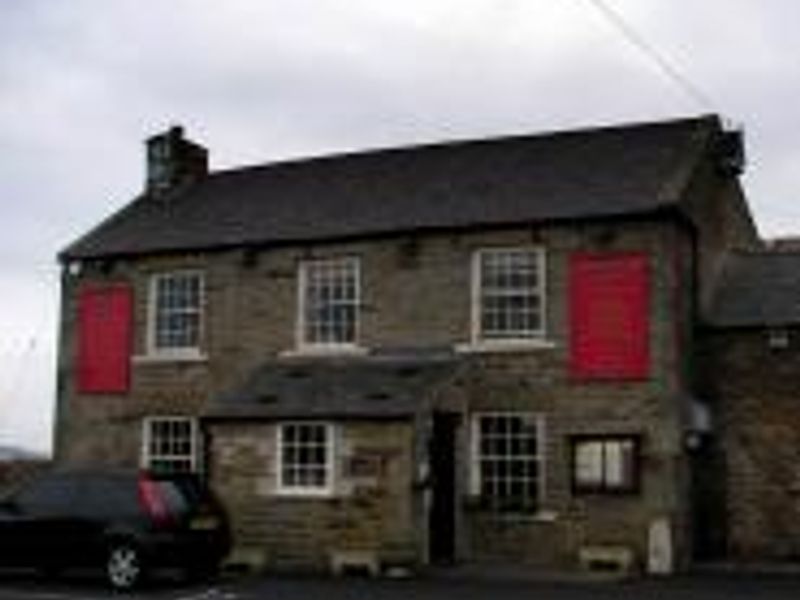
[{"x": 730, "y": 586}]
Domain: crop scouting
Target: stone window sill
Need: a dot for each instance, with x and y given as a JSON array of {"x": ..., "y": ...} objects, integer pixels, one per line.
[
  {"x": 170, "y": 357},
  {"x": 543, "y": 516},
  {"x": 300, "y": 493},
  {"x": 510, "y": 346},
  {"x": 322, "y": 351}
]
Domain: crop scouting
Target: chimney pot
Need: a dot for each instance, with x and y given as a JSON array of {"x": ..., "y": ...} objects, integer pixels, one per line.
[
  {"x": 173, "y": 161},
  {"x": 731, "y": 158}
]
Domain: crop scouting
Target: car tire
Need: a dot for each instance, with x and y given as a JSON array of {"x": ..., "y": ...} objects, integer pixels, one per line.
[{"x": 124, "y": 566}]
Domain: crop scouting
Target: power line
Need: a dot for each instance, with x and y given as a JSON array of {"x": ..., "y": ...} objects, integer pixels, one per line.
[{"x": 666, "y": 67}]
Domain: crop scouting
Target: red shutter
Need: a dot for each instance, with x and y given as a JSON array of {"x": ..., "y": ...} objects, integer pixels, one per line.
[
  {"x": 104, "y": 338},
  {"x": 609, "y": 316}
]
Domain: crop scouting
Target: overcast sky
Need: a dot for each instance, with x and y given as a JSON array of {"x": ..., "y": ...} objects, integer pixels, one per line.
[{"x": 83, "y": 82}]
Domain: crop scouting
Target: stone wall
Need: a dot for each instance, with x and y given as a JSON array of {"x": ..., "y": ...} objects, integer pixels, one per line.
[
  {"x": 755, "y": 388},
  {"x": 567, "y": 521},
  {"x": 416, "y": 291},
  {"x": 721, "y": 217},
  {"x": 369, "y": 510}
]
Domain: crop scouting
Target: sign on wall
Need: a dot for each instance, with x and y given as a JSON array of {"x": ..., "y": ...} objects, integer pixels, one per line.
[
  {"x": 104, "y": 338},
  {"x": 609, "y": 315}
]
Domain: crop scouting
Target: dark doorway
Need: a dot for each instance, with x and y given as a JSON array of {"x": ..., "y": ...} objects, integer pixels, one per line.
[
  {"x": 442, "y": 526},
  {"x": 708, "y": 501}
]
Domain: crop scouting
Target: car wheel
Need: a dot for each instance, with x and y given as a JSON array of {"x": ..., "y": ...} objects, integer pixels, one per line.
[{"x": 124, "y": 566}]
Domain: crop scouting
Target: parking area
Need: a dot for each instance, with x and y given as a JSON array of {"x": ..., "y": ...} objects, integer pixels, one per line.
[
  {"x": 90, "y": 586},
  {"x": 697, "y": 587}
]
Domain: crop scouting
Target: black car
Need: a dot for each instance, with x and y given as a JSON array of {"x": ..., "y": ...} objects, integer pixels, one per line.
[{"x": 127, "y": 523}]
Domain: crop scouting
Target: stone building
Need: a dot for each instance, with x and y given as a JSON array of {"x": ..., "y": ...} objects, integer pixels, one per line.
[
  {"x": 751, "y": 362},
  {"x": 476, "y": 351}
]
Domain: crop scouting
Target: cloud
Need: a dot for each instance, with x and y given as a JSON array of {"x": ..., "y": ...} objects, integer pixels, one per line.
[{"x": 82, "y": 83}]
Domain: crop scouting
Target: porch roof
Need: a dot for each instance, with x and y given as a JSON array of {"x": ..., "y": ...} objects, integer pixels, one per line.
[{"x": 385, "y": 385}]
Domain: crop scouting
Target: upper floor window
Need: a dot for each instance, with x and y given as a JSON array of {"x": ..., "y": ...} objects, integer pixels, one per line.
[
  {"x": 508, "y": 294},
  {"x": 329, "y": 302},
  {"x": 169, "y": 444},
  {"x": 176, "y": 312}
]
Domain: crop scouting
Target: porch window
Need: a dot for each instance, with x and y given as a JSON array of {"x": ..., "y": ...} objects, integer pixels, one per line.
[
  {"x": 508, "y": 462},
  {"x": 306, "y": 458},
  {"x": 606, "y": 464},
  {"x": 169, "y": 444},
  {"x": 329, "y": 302},
  {"x": 508, "y": 295}
]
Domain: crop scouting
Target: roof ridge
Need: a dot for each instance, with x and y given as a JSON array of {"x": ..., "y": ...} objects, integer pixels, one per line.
[
  {"x": 467, "y": 141},
  {"x": 601, "y": 171}
]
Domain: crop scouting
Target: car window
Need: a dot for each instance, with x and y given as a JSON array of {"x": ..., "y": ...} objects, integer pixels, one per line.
[
  {"x": 176, "y": 501},
  {"x": 51, "y": 495},
  {"x": 108, "y": 497}
]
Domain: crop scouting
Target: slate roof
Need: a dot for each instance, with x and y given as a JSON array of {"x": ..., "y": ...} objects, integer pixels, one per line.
[
  {"x": 758, "y": 289},
  {"x": 600, "y": 172},
  {"x": 383, "y": 386}
]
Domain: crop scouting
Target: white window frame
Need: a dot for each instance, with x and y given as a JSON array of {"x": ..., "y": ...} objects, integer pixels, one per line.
[
  {"x": 147, "y": 457},
  {"x": 532, "y": 338},
  {"x": 177, "y": 352},
  {"x": 285, "y": 489},
  {"x": 476, "y": 482},
  {"x": 610, "y": 463},
  {"x": 302, "y": 343}
]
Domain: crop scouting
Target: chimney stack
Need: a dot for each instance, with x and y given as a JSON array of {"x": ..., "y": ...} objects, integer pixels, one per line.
[
  {"x": 731, "y": 158},
  {"x": 173, "y": 161}
]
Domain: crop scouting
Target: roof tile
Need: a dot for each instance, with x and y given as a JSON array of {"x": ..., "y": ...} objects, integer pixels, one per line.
[{"x": 621, "y": 170}]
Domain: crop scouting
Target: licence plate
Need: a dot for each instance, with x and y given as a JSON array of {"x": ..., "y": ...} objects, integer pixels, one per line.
[{"x": 204, "y": 523}]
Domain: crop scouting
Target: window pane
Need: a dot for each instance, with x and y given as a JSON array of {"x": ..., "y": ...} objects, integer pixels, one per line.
[
  {"x": 509, "y": 461},
  {"x": 290, "y": 478},
  {"x": 171, "y": 446},
  {"x": 510, "y": 294},
  {"x": 629, "y": 463},
  {"x": 177, "y": 310},
  {"x": 304, "y": 456},
  {"x": 615, "y": 471},
  {"x": 331, "y": 301},
  {"x": 589, "y": 463},
  {"x": 606, "y": 464}
]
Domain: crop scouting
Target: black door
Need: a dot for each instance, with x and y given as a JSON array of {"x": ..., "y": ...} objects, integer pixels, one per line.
[
  {"x": 442, "y": 513},
  {"x": 709, "y": 501}
]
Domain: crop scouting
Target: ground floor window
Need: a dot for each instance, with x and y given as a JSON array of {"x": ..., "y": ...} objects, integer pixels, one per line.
[
  {"x": 605, "y": 464},
  {"x": 508, "y": 460},
  {"x": 169, "y": 444},
  {"x": 306, "y": 458}
]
